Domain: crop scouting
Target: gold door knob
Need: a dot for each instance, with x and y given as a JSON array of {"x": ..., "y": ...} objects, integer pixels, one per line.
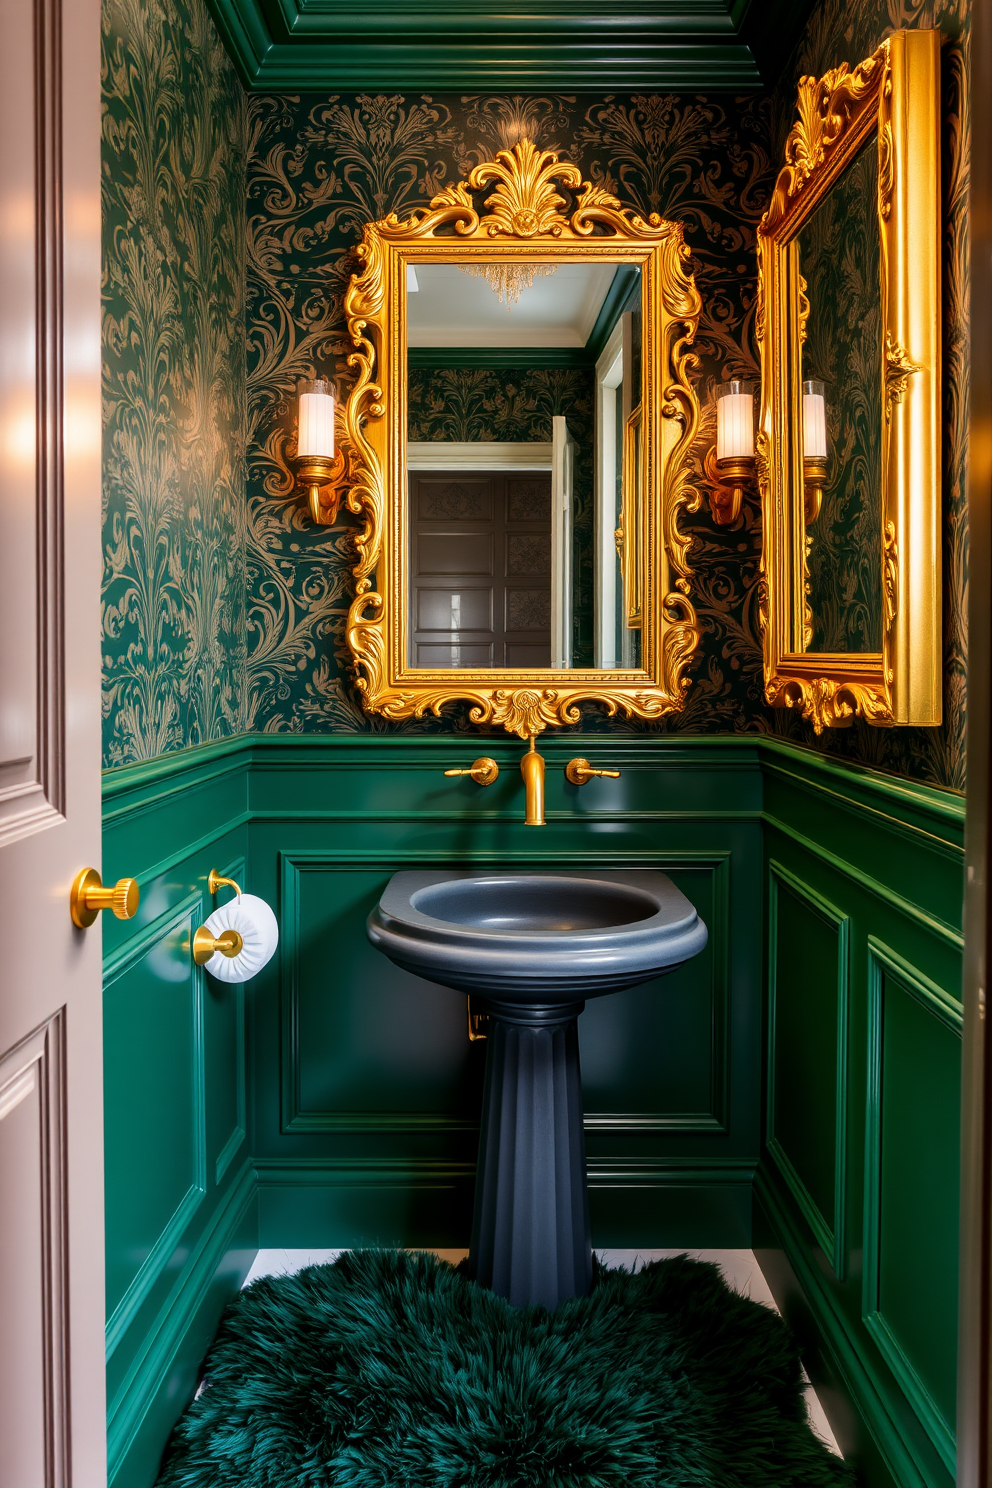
[
  {"x": 88, "y": 896},
  {"x": 229, "y": 943},
  {"x": 578, "y": 771},
  {"x": 483, "y": 772}
]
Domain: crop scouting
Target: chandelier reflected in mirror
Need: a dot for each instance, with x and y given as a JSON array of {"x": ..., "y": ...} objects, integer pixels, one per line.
[{"x": 508, "y": 280}]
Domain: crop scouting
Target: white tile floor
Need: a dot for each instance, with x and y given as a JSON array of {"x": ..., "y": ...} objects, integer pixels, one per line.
[{"x": 739, "y": 1267}]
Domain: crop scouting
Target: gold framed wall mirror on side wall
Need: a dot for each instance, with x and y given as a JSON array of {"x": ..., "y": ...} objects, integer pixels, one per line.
[
  {"x": 848, "y": 450},
  {"x": 524, "y": 575}
]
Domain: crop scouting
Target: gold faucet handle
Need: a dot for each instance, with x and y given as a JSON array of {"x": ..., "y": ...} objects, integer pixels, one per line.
[
  {"x": 483, "y": 772},
  {"x": 578, "y": 771},
  {"x": 88, "y": 896},
  {"x": 228, "y": 942}
]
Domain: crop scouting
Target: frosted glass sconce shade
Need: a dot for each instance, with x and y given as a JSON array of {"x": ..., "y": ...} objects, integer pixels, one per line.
[
  {"x": 814, "y": 421},
  {"x": 815, "y": 460},
  {"x": 735, "y": 420},
  {"x": 316, "y": 430},
  {"x": 319, "y": 469},
  {"x": 730, "y": 466}
]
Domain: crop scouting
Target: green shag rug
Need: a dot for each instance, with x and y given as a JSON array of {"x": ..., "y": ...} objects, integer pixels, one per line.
[{"x": 393, "y": 1370}]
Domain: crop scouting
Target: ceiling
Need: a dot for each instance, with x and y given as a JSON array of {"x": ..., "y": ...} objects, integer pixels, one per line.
[
  {"x": 451, "y": 307},
  {"x": 509, "y": 45}
]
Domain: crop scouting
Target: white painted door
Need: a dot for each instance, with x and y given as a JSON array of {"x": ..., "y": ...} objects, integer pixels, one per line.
[
  {"x": 562, "y": 475},
  {"x": 52, "y": 1421}
]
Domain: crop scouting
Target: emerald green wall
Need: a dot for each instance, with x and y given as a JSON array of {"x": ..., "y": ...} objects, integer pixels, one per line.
[{"x": 173, "y": 381}]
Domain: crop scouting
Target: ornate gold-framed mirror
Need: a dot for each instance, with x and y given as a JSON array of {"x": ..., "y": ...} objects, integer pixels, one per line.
[
  {"x": 848, "y": 451},
  {"x": 526, "y": 231}
]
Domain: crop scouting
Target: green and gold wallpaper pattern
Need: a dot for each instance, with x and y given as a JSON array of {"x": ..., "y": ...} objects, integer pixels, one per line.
[
  {"x": 174, "y": 381},
  {"x": 318, "y": 169},
  {"x": 847, "y": 31}
]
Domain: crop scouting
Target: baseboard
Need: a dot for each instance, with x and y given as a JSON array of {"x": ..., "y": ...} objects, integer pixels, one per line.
[
  {"x": 314, "y": 1203},
  {"x": 864, "y": 1421},
  {"x": 164, "y": 1373}
]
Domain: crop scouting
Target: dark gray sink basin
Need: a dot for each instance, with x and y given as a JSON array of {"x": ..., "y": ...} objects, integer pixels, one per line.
[{"x": 555, "y": 937}]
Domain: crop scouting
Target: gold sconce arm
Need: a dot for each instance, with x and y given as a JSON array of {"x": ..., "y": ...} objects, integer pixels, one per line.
[
  {"x": 325, "y": 480},
  {"x": 483, "y": 772},
  {"x": 88, "y": 897},
  {"x": 216, "y": 881},
  {"x": 728, "y": 480},
  {"x": 229, "y": 943},
  {"x": 815, "y": 472},
  {"x": 578, "y": 771}
]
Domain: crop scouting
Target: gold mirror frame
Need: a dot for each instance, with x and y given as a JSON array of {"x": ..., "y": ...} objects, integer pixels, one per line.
[
  {"x": 896, "y": 90},
  {"x": 523, "y": 218}
]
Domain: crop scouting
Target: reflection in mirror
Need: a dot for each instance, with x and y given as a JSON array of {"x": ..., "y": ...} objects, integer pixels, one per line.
[
  {"x": 839, "y": 259},
  {"x": 523, "y": 382}
]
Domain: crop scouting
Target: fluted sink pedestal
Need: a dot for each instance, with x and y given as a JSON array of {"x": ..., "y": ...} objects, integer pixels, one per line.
[
  {"x": 530, "y": 1237},
  {"x": 530, "y": 948}
]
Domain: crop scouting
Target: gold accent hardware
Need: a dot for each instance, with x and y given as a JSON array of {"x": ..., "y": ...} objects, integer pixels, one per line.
[
  {"x": 526, "y": 207},
  {"x": 728, "y": 480},
  {"x": 532, "y": 769},
  {"x": 483, "y": 772},
  {"x": 478, "y": 1023},
  {"x": 893, "y": 95},
  {"x": 229, "y": 943},
  {"x": 88, "y": 896},
  {"x": 816, "y": 468},
  {"x": 326, "y": 483},
  {"x": 216, "y": 881},
  {"x": 578, "y": 771}
]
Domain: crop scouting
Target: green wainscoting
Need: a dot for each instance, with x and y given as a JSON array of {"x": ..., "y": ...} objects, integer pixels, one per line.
[
  {"x": 856, "y": 1219},
  {"x": 334, "y": 1100}
]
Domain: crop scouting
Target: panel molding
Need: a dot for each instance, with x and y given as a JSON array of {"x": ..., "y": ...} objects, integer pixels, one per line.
[
  {"x": 187, "y": 913},
  {"x": 832, "y": 1240},
  {"x": 36, "y": 1065},
  {"x": 154, "y": 1359},
  {"x": 885, "y": 963},
  {"x": 293, "y": 864}
]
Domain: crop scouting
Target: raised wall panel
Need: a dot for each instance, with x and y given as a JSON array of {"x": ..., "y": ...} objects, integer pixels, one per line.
[
  {"x": 912, "y": 1186},
  {"x": 34, "y": 1348},
  {"x": 154, "y": 1106},
  {"x": 368, "y": 1045},
  {"x": 808, "y": 982}
]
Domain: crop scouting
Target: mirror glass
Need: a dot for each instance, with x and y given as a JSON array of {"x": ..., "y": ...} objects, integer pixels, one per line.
[
  {"x": 839, "y": 258},
  {"x": 523, "y": 464}
]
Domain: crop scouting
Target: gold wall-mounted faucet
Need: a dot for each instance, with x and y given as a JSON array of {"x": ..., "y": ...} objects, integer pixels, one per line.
[
  {"x": 578, "y": 771},
  {"x": 532, "y": 769}
]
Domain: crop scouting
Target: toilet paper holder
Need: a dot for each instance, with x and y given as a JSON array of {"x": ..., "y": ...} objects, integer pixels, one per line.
[{"x": 229, "y": 942}]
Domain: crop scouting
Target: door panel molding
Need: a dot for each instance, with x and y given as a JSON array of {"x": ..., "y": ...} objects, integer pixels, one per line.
[{"x": 35, "y": 1067}]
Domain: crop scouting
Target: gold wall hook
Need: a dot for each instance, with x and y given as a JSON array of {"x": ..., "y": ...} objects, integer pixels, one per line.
[
  {"x": 88, "y": 896},
  {"x": 216, "y": 881},
  {"x": 229, "y": 943},
  {"x": 483, "y": 772},
  {"x": 578, "y": 771}
]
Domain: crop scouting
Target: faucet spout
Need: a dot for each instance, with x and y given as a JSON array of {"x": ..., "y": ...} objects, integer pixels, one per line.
[{"x": 532, "y": 769}]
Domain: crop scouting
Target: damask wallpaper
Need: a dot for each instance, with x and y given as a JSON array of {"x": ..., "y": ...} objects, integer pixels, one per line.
[
  {"x": 174, "y": 381},
  {"x": 848, "y": 31},
  {"x": 318, "y": 168},
  {"x": 839, "y": 256}
]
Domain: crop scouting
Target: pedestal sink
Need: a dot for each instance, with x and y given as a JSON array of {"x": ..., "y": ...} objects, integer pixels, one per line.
[{"x": 531, "y": 947}]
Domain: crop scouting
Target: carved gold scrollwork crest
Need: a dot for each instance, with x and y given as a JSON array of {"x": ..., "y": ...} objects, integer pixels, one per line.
[{"x": 525, "y": 201}]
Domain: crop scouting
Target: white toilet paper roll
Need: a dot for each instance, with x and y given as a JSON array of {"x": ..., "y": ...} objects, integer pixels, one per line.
[{"x": 256, "y": 924}]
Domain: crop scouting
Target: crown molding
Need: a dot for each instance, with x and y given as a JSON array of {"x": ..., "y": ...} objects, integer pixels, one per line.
[{"x": 564, "y": 45}]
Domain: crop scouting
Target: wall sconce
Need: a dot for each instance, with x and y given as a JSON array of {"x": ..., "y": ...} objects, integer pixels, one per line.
[
  {"x": 318, "y": 465},
  {"x": 731, "y": 466},
  {"x": 816, "y": 462}
]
